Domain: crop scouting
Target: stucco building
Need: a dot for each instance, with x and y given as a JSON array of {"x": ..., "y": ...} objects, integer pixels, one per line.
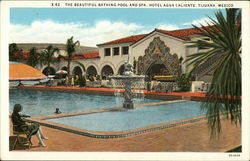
[{"x": 155, "y": 53}]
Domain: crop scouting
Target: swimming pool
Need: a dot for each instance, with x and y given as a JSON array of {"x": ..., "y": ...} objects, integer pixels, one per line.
[
  {"x": 117, "y": 121},
  {"x": 42, "y": 102}
]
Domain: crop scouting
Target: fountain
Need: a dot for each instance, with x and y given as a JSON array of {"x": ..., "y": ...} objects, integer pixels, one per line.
[{"x": 129, "y": 81}]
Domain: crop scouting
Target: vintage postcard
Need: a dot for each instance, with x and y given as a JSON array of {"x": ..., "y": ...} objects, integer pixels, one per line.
[{"x": 125, "y": 80}]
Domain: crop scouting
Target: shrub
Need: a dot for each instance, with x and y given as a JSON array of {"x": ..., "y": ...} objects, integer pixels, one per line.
[
  {"x": 183, "y": 82},
  {"x": 82, "y": 81}
]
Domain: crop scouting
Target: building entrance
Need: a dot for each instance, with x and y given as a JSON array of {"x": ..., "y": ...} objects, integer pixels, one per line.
[
  {"x": 157, "y": 69},
  {"x": 158, "y": 60}
]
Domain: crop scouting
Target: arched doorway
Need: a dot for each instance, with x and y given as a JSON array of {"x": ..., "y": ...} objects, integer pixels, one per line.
[
  {"x": 77, "y": 71},
  {"x": 64, "y": 68},
  {"x": 121, "y": 70},
  {"x": 91, "y": 70},
  {"x": 106, "y": 71},
  {"x": 158, "y": 59},
  {"x": 47, "y": 72},
  {"x": 157, "y": 68}
]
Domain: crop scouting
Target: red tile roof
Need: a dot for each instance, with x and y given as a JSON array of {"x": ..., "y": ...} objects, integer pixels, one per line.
[
  {"x": 21, "y": 55},
  {"x": 180, "y": 34},
  {"x": 89, "y": 55},
  {"x": 190, "y": 31},
  {"x": 170, "y": 33},
  {"x": 185, "y": 32},
  {"x": 133, "y": 38}
]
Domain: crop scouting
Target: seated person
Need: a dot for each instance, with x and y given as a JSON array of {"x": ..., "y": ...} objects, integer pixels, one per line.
[
  {"x": 58, "y": 111},
  {"x": 33, "y": 128}
]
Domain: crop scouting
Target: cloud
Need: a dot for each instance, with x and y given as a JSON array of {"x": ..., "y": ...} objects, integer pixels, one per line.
[
  {"x": 197, "y": 22},
  {"x": 148, "y": 29},
  {"x": 168, "y": 27},
  {"x": 49, "y": 31}
]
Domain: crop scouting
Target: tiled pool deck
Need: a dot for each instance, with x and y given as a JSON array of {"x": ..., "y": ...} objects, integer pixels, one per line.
[
  {"x": 190, "y": 135},
  {"x": 193, "y": 137}
]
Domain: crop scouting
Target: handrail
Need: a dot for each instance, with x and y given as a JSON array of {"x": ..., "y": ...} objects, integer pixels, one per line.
[{"x": 207, "y": 66}]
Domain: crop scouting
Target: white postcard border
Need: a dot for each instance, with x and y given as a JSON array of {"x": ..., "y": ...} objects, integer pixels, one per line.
[{"x": 10, "y": 155}]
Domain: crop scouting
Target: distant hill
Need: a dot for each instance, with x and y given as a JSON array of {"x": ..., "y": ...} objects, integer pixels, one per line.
[{"x": 40, "y": 46}]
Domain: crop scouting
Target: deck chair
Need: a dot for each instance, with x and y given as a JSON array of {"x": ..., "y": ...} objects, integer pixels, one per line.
[{"x": 25, "y": 132}]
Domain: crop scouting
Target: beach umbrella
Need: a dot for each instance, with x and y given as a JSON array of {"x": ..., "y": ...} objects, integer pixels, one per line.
[
  {"x": 61, "y": 72},
  {"x": 24, "y": 72}
]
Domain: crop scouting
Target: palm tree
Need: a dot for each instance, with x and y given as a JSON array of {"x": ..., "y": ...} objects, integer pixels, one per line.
[
  {"x": 48, "y": 56},
  {"x": 34, "y": 56},
  {"x": 70, "y": 48},
  {"x": 224, "y": 95}
]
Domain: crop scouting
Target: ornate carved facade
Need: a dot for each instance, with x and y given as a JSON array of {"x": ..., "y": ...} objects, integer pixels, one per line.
[{"x": 157, "y": 51}]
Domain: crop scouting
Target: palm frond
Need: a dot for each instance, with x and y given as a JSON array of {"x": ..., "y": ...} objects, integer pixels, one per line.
[{"x": 224, "y": 95}]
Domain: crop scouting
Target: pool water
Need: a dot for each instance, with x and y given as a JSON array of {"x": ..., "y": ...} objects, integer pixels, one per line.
[
  {"x": 41, "y": 102},
  {"x": 133, "y": 119}
]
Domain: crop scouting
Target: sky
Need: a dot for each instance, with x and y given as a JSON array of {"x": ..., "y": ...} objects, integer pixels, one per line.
[{"x": 93, "y": 26}]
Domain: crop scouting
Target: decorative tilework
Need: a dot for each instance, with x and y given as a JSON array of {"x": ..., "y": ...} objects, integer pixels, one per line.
[{"x": 157, "y": 50}]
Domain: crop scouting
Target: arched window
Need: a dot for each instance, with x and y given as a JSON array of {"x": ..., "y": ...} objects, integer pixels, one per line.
[
  {"x": 91, "y": 70},
  {"x": 107, "y": 71},
  {"x": 121, "y": 70},
  {"x": 64, "y": 68},
  {"x": 49, "y": 71},
  {"x": 77, "y": 71}
]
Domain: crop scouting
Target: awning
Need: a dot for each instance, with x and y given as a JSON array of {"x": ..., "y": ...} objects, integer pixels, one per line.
[{"x": 23, "y": 72}]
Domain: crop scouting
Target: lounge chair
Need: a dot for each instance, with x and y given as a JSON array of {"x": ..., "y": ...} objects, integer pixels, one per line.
[{"x": 19, "y": 133}]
